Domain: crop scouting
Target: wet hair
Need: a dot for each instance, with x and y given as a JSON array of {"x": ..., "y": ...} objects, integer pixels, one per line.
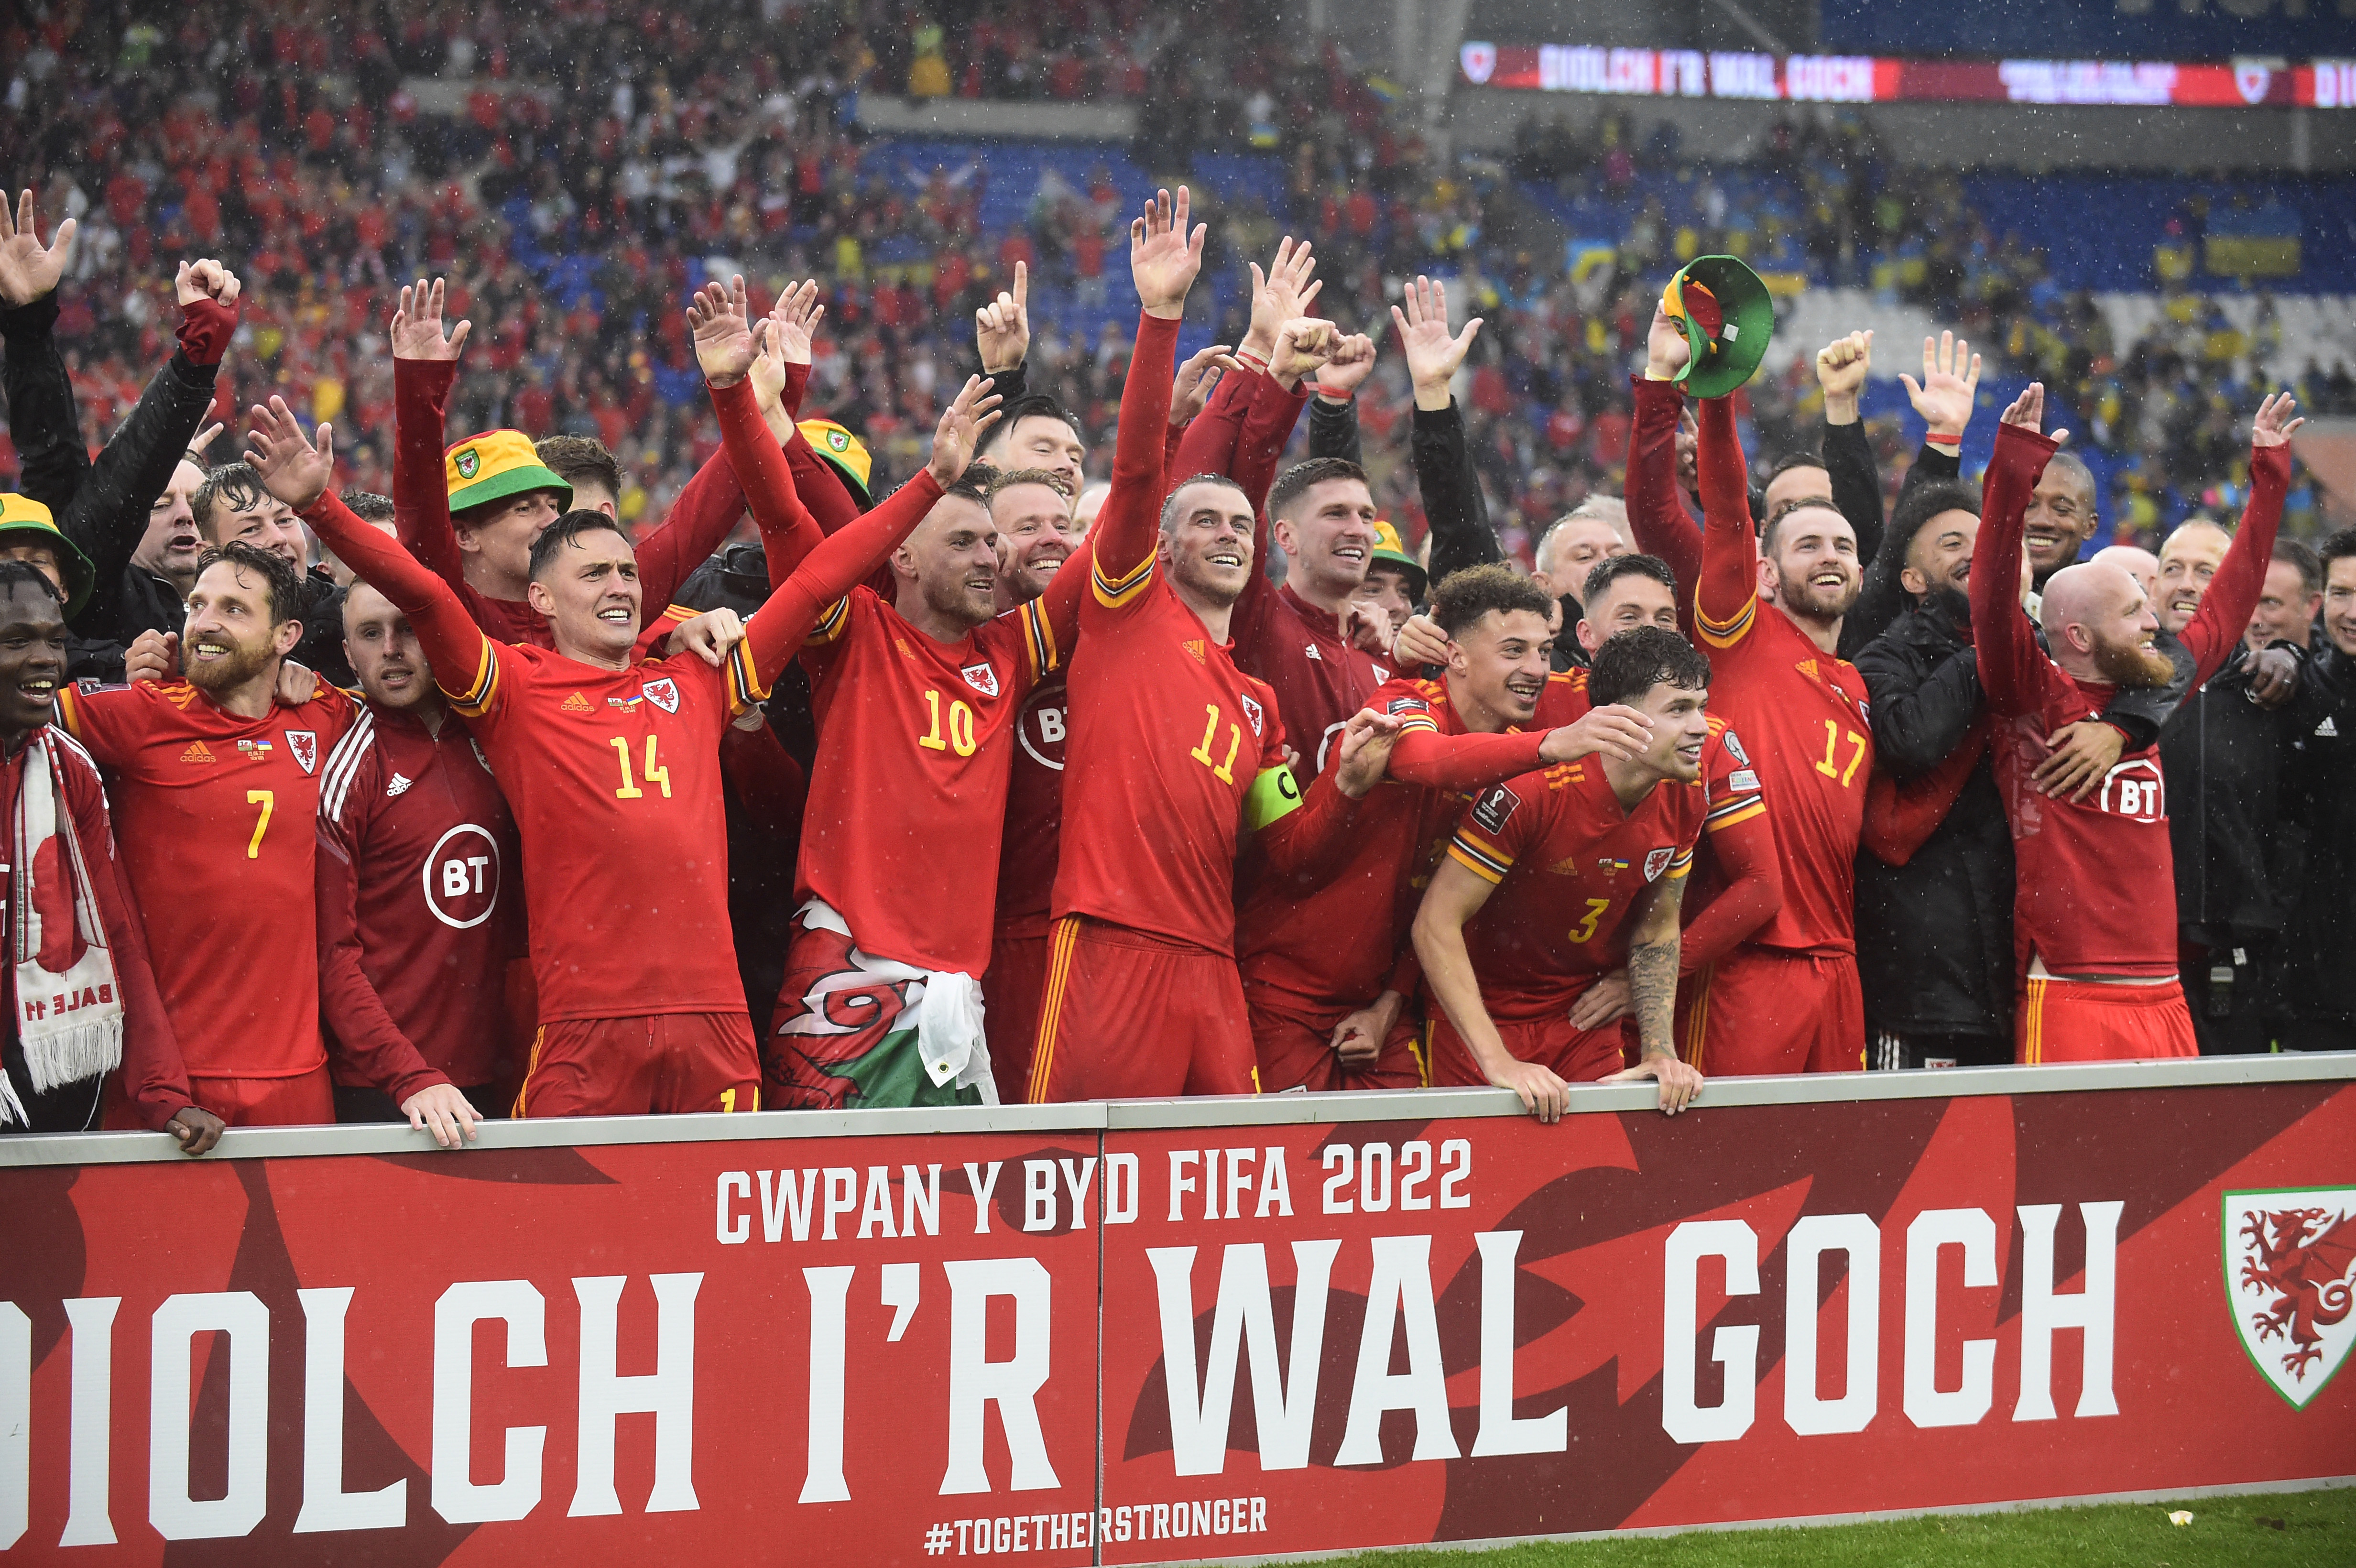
[
  {"x": 2340, "y": 546},
  {"x": 1633, "y": 662},
  {"x": 1302, "y": 477},
  {"x": 15, "y": 574},
  {"x": 1612, "y": 567},
  {"x": 1791, "y": 460},
  {"x": 1918, "y": 505},
  {"x": 1032, "y": 405},
  {"x": 563, "y": 531},
  {"x": 1803, "y": 504},
  {"x": 1007, "y": 478},
  {"x": 2301, "y": 555},
  {"x": 1466, "y": 595},
  {"x": 286, "y": 582},
  {"x": 368, "y": 506},
  {"x": 574, "y": 458},
  {"x": 237, "y": 485},
  {"x": 1170, "y": 502}
]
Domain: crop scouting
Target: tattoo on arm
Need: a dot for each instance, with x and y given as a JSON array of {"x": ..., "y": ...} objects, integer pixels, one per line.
[{"x": 1653, "y": 972}]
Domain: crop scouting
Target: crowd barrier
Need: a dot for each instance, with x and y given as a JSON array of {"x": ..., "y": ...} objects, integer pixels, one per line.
[{"x": 1179, "y": 1330}]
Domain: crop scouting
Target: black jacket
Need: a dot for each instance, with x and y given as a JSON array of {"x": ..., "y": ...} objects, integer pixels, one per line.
[
  {"x": 2318, "y": 794},
  {"x": 1857, "y": 491},
  {"x": 2221, "y": 756},
  {"x": 1452, "y": 503},
  {"x": 1940, "y": 960},
  {"x": 101, "y": 506}
]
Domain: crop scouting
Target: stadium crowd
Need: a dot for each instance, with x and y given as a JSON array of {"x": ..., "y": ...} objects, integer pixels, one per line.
[{"x": 972, "y": 791}]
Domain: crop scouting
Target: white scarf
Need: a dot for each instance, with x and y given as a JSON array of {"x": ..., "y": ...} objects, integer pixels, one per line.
[{"x": 69, "y": 1002}]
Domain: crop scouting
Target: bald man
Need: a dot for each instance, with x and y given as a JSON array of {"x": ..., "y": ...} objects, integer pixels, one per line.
[
  {"x": 2100, "y": 963},
  {"x": 2222, "y": 756}
]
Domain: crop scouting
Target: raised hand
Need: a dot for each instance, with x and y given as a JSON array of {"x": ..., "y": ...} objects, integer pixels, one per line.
[
  {"x": 1163, "y": 256},
  {"x": 2028, "y": 410},
  {"x": 721, "y": 325},
  {"x": 1282, "y": 293},
  {"x": 292, "y": 468},
  {"x": 1001, "y": 329},
  {"x": 417, "y": 324},
  {"x": 1197, "y": 378},
  {"x": 963, "y": 424},
  {"x": 29, "y": 269},
  {"x": 1353, "y": 362},
  {"x": 1665, "y": 347},
  {"x": 203, "y": 438},
  {"x": 2274, "y": 425},
  {"x": 153, "y": 655},
  {"x": 1302, "y": 346},
  {"x": 793, "y": 322},
  {"x": 1841, "y": 367},
  {"x": 203, "y": 279},
  {"x": 1950, "y": 379},
  {"x": 1420, "y": 642},
  {"x": 1433, "y": 356},
  {"x": 1364, "y": 752}
]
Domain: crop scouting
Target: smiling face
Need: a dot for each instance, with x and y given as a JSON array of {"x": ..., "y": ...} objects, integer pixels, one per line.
[
  {"x": 32, "y": 659},
  {"x": 2340, "y": 603},
  {"x": 1627, "y": 601},
  {"x": 1043, "y": 441},
  {"x": 1573, "y": 547},
  {"x": 265, "y": 522},
  {"x": 230, "y": 637},
  {"x": 2101, "y": 627},
  {"x": 950, "y": 564},
  {"x": 1498, "y": 665},
  {"x": 1327, "y": 535},
  {"x": 1940, "y": 555},
  {"x": 1036, "y": 536},
  {"x": 384, "y": 651},
  {"x": 1206, "y": 543},
  {"x": 589, "y": 592},
  {"x": 1811, "y": 569},
  {"x": 170, "y": 546},
  {"x": 2186, "y": 562},
  {"x": 1680, "y": 719},
  {"x": 2060, "y": 519}
]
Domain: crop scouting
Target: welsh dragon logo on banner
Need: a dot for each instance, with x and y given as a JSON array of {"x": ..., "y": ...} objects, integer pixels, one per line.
[{"x": 2290, "y": 1255}]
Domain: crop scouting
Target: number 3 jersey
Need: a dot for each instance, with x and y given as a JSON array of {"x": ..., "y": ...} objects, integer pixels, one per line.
[
  {"x": 614, "y": 777},
  {"x": 907, "y": 800},
  {"x": 419, "y": 910},
  {"x": 1570, "y": 865},
  {"x": 214, "y": 814}
]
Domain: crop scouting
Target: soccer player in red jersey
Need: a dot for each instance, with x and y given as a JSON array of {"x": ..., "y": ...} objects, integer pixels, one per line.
[
  {"x": 915, "y": 700},
  {"x": 419, "y": 914},
  {"x": 1557, "y": 878},
  {"x": 82, "y": 1002},
  {"x": 1769, "y": 609},
  {"x": 215, "y": 786},
  {"x": 1176, "y": 758},
  {"x": 471, "y": 513},
  {"x": 1325, "y": 964},
  {"x": 2094, "y": 912},
  {"x": 611, "y": 764}
]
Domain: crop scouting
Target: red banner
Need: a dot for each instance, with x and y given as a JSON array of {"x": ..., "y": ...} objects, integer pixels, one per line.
[
  {"x": 1168, "y": 1332},
  {"x": 1870, "y": 79}
]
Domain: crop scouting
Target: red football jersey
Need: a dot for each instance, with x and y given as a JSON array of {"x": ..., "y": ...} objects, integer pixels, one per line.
[
  {"x": 1800, "y": 710},
  {"x": 1034, "y": 810},
  {"x": 1568, "y": 863},
  {"x": 2096, "y": 890},
  {"x": 419, "y": 910},
  {"x": 908, "y": 797},
  {"x": 214, "y": 814}
]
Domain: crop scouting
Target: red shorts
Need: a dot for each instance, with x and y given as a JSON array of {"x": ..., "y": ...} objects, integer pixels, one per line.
[
  {"x": 1575, "y": 1055},
  {"x": 652, "y": 1063},
  {"x": 1758, "y": 1012},
  {"x": 1293, "y": 1043},
  {"x": 305, "y": 1099},
  {"x": 1128, "y": 1015},
  {"x": 2085, "y": 1020},
  {"x": 1010, "y": 1005}
]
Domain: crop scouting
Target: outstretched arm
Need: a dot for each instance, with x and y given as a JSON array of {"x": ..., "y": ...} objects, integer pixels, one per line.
[
  {"x": 1456, "y": 895},
  {"x": 2232, "y": 594},
  {"x": 424, "y": 364},
  {"x": 1163, "y": 258},
  {"x": 1726, "y": 597},
  {"x": 728, "y": 349},
  {"x": 2005, "y": 642}
]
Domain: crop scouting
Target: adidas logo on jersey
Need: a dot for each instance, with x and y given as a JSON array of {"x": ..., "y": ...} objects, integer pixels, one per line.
[
  {"x": 1193, "y": 645},
  {"x": 1315, "y": 655},
  {"x": 2328, "y": 730},
  {"x": 400, "y": 785},
  {"x": 576, "y": 703},
  {"x": 198, "y": 752}
]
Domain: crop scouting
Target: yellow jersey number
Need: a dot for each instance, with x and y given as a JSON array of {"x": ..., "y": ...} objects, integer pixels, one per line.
[
  {"x": 960, "y": 736},
  {"x": 655, "y": 773},
  {"x": 1828, "y": 764},
  {"x": 1224, "y": 769}
]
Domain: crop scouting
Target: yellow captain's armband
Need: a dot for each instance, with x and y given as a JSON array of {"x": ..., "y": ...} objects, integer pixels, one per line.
[{"x": 1274, "y": 795}]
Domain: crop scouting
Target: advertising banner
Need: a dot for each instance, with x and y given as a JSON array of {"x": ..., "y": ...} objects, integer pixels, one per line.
[{"x": 1178, "y": 1331}]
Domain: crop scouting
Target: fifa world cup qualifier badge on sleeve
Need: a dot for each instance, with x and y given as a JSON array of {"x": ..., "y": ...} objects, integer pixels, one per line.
[{"x": 2290, "y": 1282}]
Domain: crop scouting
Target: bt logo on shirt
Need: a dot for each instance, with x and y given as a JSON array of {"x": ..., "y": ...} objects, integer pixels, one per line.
[
  {"x": 462, "y": 877},
  {"x": 2134, "y": 789}
]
